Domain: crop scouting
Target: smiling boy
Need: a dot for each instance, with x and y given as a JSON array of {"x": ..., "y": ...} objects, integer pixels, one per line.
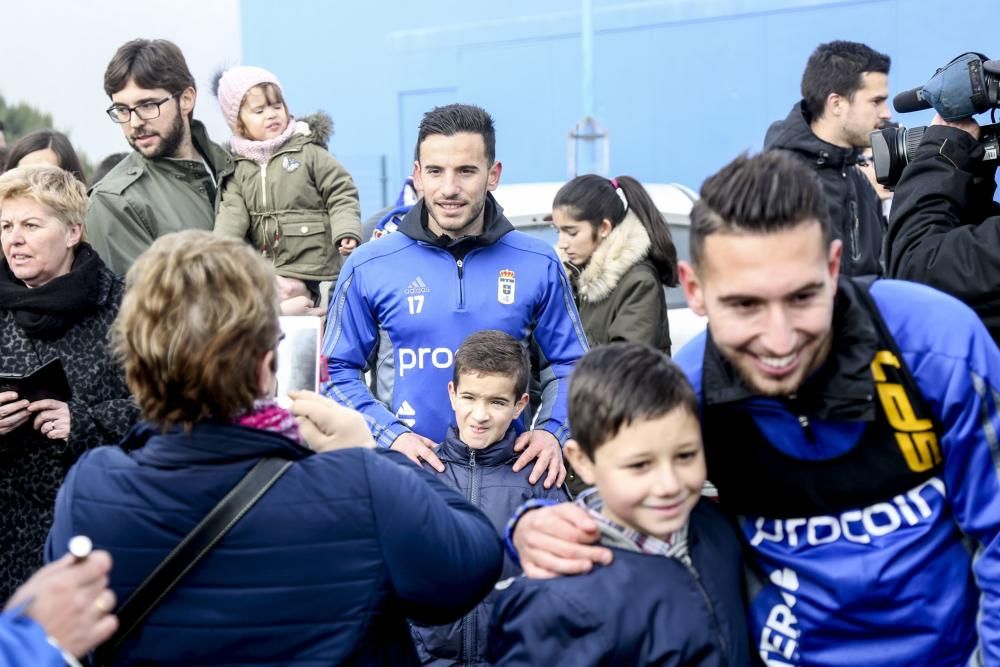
[
  {"x": 637, "y": 439},
  {"x": 488, "y": 393}
]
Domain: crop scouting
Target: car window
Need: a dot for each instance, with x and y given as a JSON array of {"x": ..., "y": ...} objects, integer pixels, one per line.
[{"x": 681, "y": 236}]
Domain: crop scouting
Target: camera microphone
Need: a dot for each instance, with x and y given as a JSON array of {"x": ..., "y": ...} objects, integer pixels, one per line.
[
  {"x": 966, "y": 86},
  {"x": 910, "y": 100}
]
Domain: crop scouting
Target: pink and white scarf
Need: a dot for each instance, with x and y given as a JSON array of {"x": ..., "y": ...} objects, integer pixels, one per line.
[{"x": 262, "y": 151}]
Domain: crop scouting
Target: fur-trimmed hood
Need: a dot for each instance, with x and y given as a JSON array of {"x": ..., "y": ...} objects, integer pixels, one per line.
[
  {"x": 319, "y": 127},
  {"x": 626, "y": 245}
]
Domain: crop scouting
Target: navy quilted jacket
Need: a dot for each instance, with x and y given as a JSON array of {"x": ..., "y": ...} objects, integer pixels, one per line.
[
  {"x": 486, "y": 479},
  {"x": 640, "y": 610},
  {"x": 324, "y": 570}
]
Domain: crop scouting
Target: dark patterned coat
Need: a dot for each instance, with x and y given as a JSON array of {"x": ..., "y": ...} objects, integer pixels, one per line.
[{"x": 32, "y": 466}]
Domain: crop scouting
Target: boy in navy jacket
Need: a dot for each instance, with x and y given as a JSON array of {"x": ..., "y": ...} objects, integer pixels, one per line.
[
  {"x": 488, "y": 393},
  {"x": 673, "y": 594}
]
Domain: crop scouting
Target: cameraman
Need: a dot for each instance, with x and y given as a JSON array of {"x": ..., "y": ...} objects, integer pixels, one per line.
[{"x": 944, "y": 229}]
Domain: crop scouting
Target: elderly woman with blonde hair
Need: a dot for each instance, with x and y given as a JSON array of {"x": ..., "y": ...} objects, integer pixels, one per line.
[
  {"x": 334, "y": 557},
  {"x": 57, "y": 302}
]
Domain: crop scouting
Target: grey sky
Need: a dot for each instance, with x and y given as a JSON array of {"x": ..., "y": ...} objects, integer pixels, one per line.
[{"x": 55, "y": 53}]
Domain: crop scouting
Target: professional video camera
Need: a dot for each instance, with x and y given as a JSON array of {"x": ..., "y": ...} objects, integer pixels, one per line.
[{"x": 968, "y": 85}]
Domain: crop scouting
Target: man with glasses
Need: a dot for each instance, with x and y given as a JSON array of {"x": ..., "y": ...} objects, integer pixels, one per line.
[{"x": 170, "y": 181}]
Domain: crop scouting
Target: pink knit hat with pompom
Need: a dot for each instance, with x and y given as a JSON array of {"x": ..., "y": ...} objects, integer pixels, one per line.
[{"x": 234, "y": 84}]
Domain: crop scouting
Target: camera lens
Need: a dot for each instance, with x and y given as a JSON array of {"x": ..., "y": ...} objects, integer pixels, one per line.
[
  {"x": 885, "y": 148},
  {"x": 909, "y": 140},
  {"x": 892, "y": 150}
]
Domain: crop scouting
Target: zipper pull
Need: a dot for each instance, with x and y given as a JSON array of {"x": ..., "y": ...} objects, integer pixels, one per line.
[
  {"x": 807, "y": 428},
  {"x": 802, "y": 418}
]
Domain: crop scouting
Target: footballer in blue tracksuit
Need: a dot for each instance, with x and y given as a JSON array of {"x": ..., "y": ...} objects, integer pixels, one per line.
[
  {"x": 871, "y": 498},
  {"x": 417, "y": 296},
  {"x": 851, "y": 426},
  {"x": 455, "y": 266}
]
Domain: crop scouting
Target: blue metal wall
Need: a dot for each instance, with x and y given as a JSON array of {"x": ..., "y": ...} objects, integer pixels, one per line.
[{"x": 681, "y": 85}]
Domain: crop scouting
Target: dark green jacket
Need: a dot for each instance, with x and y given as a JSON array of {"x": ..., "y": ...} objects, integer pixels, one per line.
[
  {"x": 142, "y": 199},
  {"x": 619, "y": 293},
  {"x": 295, "y": 209}
]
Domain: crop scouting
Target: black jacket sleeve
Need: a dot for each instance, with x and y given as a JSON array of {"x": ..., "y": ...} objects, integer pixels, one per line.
[
  {"x": 442, "y": 554},
  {"x": 941, "y": 232}
]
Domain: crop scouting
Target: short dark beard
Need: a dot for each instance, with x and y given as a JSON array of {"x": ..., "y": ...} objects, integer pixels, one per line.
[
  {"x": 170, "y": 142},
  {"x": 457, "y": 234}
]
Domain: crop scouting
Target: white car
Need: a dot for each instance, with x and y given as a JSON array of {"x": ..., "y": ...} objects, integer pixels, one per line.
[{"x": 529, "y": 208}]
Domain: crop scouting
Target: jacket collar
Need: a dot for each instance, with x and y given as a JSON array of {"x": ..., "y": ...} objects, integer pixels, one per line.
[
  {"x": 794, "y": 134},
  {"x": 453, "y": 450},
  {"x": 210, "y": 442},
  {"x": 495, "y": 225},
  {"x": 626, "y": 245},
  {"x": 842, "y": 388},
  {"x": 216, "y": 156},
  {"x": 613, "y": 534}
]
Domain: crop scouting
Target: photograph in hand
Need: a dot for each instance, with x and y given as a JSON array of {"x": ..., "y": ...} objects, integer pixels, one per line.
[{"x": 298, "y": 355}]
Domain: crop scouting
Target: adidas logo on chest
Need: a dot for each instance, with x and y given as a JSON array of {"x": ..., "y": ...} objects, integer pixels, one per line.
[{"x": 417, "y": 286}]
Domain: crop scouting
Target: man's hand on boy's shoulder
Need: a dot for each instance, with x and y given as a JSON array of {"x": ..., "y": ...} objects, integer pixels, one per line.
[
  {"x": 558, "y": 540},
  {"x": 417, "y": 448},
  {"x": 543, "y": 448}
]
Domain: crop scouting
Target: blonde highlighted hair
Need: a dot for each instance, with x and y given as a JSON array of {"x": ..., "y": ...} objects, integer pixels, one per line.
[
  {"x": 56, "y": 189},
  {"x": 198, "y": 316}
]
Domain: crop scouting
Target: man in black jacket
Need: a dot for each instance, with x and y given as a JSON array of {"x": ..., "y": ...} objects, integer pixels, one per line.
[
  {"x": 844, "y": 91},
  {"x": 945, "y": 228}
]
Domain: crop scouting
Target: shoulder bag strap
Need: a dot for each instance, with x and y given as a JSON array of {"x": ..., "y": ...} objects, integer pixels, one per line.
[{"x": 191, "y": 550}]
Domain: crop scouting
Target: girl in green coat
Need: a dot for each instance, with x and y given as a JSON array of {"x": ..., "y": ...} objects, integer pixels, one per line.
[
  {"x": 618, "y": 253},
  {"x": 288, "y": 196}
]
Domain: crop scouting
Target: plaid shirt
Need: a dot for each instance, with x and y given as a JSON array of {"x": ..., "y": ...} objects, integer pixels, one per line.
[{"x": 614, "y": 534}]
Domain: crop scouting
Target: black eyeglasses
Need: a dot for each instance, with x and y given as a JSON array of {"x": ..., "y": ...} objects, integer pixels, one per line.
[{"x": 120, "y": 113}]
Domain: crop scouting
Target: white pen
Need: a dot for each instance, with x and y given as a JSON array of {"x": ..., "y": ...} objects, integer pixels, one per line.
[{"x": 80, "y": 546}]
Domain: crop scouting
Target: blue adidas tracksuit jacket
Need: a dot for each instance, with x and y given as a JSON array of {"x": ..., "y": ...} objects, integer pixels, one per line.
[
  {"x": 913, "y": 579},
  {"x": 413, "y": 298}
]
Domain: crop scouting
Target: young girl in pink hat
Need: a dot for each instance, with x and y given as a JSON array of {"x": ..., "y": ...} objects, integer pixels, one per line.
[{"x": 288, "y": 196}]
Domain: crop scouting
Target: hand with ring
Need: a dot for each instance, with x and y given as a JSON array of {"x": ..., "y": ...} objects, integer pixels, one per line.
[
  {"x": 52, "y": 418},
  {"x": 71, "y": 600}
]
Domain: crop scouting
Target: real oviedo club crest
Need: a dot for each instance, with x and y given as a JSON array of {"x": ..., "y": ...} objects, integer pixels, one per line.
[{"x": 505, "y": 287}]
